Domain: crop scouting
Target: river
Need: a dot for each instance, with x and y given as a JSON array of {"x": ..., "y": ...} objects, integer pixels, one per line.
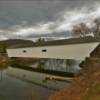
[{"x": 15, "y": 89}]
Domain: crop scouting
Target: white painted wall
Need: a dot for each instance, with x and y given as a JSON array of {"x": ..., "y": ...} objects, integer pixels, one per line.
[{"x": 73, "y": 51}]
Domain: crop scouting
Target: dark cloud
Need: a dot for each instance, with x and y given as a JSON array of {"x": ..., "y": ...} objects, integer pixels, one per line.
[{"x": 18, "y": 15}]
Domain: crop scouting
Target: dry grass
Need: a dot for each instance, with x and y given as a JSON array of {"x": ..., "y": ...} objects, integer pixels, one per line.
[
  {"x": 85, "y": 87},
  {"x": 4, "y": 62}
]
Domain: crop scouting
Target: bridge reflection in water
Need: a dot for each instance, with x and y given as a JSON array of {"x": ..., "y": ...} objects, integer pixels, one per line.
[{"x": 14, "y": 89}]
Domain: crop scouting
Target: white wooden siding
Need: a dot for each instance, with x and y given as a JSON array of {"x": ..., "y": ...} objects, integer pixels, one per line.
[{"x": 72, "y": 51}]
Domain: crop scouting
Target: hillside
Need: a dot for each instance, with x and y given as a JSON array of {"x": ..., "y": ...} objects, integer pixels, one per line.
[{"x": 13, "y": 42}]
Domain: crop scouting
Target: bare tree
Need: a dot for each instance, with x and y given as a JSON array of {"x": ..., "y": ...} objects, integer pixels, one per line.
[
  {"x": 82, "y": 29},
  {"x": 97, "y": 27},
  {"x": 40, "y": 40}
]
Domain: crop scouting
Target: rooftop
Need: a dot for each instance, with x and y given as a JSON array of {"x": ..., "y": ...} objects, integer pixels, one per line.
[{"x": 78, "y": 40}]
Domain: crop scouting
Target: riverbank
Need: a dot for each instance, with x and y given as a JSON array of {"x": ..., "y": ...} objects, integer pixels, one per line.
[
  {"x": 4, "y": 62},
  {"x": 86, "y": 86}
]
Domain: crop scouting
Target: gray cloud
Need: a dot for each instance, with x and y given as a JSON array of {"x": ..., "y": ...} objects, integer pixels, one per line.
[{"x": 29, "y": 18}]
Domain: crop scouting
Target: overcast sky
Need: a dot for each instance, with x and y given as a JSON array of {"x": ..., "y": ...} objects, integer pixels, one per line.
[{"x": 29, "y": 18}]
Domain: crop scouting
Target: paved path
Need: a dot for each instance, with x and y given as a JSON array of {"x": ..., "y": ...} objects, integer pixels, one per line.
[{"x": 14, "y": 89}]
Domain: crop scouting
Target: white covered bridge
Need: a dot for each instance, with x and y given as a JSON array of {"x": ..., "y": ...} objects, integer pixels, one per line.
[{"x": 75, "y": 48}]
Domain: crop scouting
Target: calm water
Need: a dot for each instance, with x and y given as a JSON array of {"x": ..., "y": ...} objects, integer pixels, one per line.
[{"x": 14, "y": 89}]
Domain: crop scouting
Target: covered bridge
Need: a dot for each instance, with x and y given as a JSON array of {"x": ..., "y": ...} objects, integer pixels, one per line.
[{"x": 74, "y": 48}]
